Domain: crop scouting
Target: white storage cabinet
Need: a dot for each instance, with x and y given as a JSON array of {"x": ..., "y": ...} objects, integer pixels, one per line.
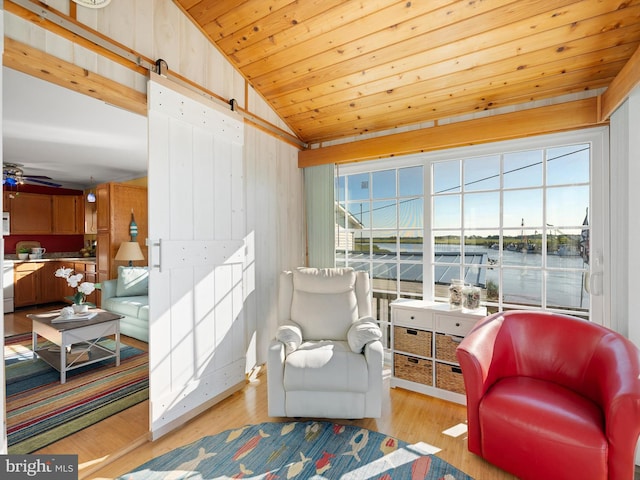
[{"x": 424, "y": 338}]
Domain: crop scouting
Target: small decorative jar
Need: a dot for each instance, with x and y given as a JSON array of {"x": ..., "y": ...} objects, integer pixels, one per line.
[
  {"x": 80, "y": 307},
  {"x": 455, "y": 293},
  {"x": 471, "y": 297}
]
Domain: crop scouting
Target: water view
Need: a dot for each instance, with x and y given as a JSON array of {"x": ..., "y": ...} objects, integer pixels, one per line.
[{"x": 521, "y": 270}]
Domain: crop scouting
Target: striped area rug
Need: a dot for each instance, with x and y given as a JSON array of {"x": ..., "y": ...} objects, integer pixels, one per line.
[
  {"x": 298, "y": 450},
  {"x": 41, "y": 411}
]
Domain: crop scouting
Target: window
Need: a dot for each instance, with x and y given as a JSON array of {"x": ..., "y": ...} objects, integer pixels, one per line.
[
  {"x": 380, "y": 229},
  {"x": 516, "y": 225},
  {"x": 525, "y": 220}
]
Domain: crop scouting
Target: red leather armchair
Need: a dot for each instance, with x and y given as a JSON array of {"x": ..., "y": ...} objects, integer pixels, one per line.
[{"x": 551, "y": 396}]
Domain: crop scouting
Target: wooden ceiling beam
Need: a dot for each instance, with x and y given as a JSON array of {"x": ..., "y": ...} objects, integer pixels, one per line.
[
  {"x": 31, "y": 61},
  {"x": 621, "y": 86},
  {"x": 524, "y": 123}
]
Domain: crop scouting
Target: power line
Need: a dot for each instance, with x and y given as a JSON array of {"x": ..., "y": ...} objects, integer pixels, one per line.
[{"x": 524, "y": 167}]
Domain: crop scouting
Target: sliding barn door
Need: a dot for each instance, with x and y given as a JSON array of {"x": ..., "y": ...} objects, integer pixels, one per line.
[{"x": 196, "y": 245}]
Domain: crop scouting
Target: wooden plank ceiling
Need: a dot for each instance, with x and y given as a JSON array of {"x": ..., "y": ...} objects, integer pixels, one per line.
[{"x": 338, "y": 68}]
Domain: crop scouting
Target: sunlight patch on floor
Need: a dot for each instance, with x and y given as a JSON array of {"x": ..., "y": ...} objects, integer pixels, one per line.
[
  {"x": 424, "y": 448},
  {"x": 456, "y": 430}
]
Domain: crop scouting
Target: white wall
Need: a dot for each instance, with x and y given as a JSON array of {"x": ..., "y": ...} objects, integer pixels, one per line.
[
  {"x": 625, "y": 218},
  {"x": 275, "y": 230},
  {"x": 633, "y": 218},
  {"x": 273, "y": 183},
  {"x": 633, "y": 179}
]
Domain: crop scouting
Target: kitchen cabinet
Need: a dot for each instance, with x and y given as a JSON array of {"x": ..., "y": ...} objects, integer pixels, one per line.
[
  {"x": 26, "y": 283},
  {"x": 35, "y": 283},
  {"x": 40, "y": 214},
  {"x": 423, "y": 343},
  {"x": 50, "y": 285},
  {"x": 31, "y": 213},
  {"x": 68, "y": 214}
]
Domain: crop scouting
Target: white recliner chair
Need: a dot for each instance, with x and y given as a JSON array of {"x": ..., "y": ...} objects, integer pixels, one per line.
[{"x": 326, "y": 360}]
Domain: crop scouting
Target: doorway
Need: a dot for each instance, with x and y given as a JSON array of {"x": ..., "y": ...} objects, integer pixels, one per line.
[{"x": 77, "y": 142}]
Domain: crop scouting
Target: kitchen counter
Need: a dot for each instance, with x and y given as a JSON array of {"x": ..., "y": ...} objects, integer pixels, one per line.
[{"x": 15, "y": 259}]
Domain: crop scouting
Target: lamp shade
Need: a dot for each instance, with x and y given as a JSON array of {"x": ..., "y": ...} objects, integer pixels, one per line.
[{"x": 129, "y": 251}]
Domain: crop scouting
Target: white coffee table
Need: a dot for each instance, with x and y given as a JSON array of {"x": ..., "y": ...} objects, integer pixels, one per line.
[{"x": 82, "y": 334}]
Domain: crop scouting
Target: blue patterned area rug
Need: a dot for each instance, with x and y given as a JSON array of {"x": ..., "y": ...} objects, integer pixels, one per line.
[{"x": 301, "y": 450}]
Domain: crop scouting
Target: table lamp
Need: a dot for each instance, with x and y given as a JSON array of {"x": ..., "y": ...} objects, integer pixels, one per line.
[{"x": 129, "y": 251}]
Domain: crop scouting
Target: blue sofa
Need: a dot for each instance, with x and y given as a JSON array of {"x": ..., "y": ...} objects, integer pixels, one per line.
[{"x": 128, "y": 295}]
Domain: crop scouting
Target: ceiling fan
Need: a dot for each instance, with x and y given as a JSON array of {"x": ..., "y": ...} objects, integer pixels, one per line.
[{"x": 13, "y": 175}]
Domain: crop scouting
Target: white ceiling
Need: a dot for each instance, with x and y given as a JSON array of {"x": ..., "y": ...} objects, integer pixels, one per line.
[{"x": 72, "y": 138}]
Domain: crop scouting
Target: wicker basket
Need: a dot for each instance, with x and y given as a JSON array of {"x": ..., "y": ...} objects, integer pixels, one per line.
[
  {"x": 411, "y": 340},
  {"x": 413, "y": 369},
  {"x": 446, "y": 347},
  {"x": 449, "y": 377}
]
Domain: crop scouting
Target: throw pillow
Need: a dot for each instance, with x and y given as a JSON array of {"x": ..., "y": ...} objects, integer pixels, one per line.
[
  {"x": 361, "y": 333},
  {"x": 132, "y": 281}
]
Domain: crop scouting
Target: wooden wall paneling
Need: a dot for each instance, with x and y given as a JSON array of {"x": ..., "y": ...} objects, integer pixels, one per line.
[
  {"x": 63, "y": 6},
  {"x": 198, "y": 47},
  {"x": 256, "y": 103},
  {"x": 125, "y": 199},
  {"x": 167, "y": 24},
  {"x": 117, "y": 22},
  {"x": 86, "y": 17},
  {"x": 275, "y": 230},
  {"x": 103, "y": 207}
]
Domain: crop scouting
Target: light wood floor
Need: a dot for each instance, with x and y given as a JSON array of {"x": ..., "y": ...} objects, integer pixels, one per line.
[{"x": 119, "y": 444}]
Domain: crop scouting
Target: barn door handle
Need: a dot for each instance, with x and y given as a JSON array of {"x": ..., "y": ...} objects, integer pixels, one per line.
[{"x": 152, "y": 257}]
